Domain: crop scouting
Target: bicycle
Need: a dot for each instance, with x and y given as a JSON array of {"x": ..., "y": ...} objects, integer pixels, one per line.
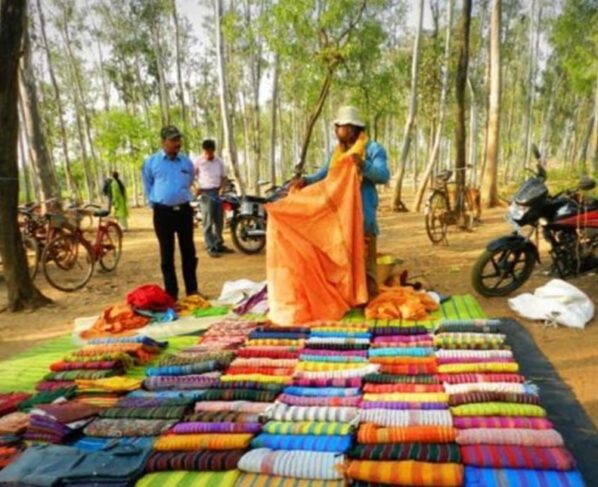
[
  {"x": 68, "y": 260},
  {"x": 441, "y": 211}
]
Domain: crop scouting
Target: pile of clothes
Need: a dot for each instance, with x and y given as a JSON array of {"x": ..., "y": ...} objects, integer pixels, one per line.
[
  {"x": 396, "y": 303},
  {"x": 13, "y": 423}
]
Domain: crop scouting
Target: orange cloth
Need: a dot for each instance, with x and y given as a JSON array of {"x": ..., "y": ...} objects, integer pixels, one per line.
[
  {"x": 371, "y": 433},
  {"x": 400, "y": 302},
  {"x": 117, "y": 320},
  {"x": 315, "y": 248}
]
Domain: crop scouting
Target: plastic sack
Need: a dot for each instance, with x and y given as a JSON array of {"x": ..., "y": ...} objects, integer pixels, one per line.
[{"x": 557, "y": 301}]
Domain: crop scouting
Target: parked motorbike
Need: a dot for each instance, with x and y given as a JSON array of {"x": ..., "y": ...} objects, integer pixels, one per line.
[{"x": 568, "y": 221}]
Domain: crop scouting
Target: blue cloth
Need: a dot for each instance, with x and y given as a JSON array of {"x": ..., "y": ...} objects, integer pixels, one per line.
[
  {"x": 401, "y": 352},
  {"x": 168, "y": 182},
  {"x": 375, "y": 171},
  {"x": 92, "y": 443},
  {"x": 196, "y": 395},
  {"x": 322, "y": 391},
  {"x": 331, "y": 358},
  {"x": 145, "y": 340},
  {"x": 499, "y": 477},
  {"x": 198, "y": 368},
  {"x": 341, "y": 334},
  {"x": 277, "y": 335},
  {"x": 333, "y": 443}
]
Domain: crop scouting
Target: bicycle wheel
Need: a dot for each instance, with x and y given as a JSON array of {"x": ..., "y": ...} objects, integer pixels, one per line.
[
  {"x": 111, "y": 246},
  {"x": 67, "y": 262},
  {"x": 436, "y": 217}
]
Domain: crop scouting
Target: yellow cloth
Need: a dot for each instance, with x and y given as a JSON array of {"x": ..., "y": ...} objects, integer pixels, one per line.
[
  {"x": 187, "y": 305},
  {"x": 479, "y": 367},
  {"x": 498, "y": 409},
  {"x": 259, "y": 342},
  {"x": 325, "y": 366},
  {"x": 181, "y": 478},
  {"x": 358, "y": 148},
  {"x": 274, "y": 379},
  {"x": 113, "y": 384},
  {"x": 407, "y": 472},
  {"x": 200, "y": 441},
  {"x": 407, "y": 397},
  {"x": 264, "y": 480}
]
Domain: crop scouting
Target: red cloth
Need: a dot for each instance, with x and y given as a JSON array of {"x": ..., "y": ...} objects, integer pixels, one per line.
[
  {"x": 515, "y": 456},
  {"x": 150, "y": 297}
]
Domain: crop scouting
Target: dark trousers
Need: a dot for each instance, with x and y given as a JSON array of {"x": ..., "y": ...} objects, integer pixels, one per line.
[
  {"x": 212, "y": 217},
  {"x": 168, "y": 222}
]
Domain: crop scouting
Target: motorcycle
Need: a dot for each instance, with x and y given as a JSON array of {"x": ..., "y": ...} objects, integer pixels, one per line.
[{"x": 568, "y": 221}]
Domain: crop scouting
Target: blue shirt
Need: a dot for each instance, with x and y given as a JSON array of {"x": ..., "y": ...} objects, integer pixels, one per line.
[
  {"x": 375, "y": 171},
  {"x": 167, "y": 181}
]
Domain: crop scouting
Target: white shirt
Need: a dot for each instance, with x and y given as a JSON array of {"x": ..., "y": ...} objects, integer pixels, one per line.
[{"x": 209, "y": 174}]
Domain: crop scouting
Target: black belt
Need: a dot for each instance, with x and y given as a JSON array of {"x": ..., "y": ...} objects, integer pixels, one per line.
[{"x": 159, "y": 206}]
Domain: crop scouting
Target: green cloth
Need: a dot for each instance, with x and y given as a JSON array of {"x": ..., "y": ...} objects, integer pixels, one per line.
[
  {"x": 119, "y": 202},
  {"x": 46, "y": 398},
  {"x": 213, "y": 311},
  {"x": 189, "y": 479}
]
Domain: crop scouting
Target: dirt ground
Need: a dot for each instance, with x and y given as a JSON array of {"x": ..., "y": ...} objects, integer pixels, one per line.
[{"x": 445, "y": 268}]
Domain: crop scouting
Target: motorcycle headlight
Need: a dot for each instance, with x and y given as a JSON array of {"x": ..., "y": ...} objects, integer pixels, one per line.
[{"x": 516, "y": 212}]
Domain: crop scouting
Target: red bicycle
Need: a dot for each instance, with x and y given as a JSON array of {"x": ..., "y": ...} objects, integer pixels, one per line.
[{"x": 69, "y": 259}]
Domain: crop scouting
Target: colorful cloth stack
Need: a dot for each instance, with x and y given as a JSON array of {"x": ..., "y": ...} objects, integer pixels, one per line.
[
  {"x": 13, "y": 424},
  {"x": 58, "y": 422},
  {"x": 406, "y": 435},
  {"x": 502, "y": 430}
]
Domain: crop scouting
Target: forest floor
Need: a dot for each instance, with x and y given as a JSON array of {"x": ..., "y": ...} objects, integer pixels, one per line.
[{"x": 445, "y": 268}]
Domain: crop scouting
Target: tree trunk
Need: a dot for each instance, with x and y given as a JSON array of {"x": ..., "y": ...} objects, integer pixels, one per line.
[
  {"x": 273, "y": 121},
  {"x": 473, "y": 133},
  {"x": 244, "y": 118},
  {"x": 546, "y": 123},
  {"x": 460, "y": 135},
  {"x": 533, "y": 52},
  {"x": 21, "y": 291},
  {"x": 70, "y": 185},
  {"x": 582, "y": 155},
  {"x": 419, "y": 195},
  {"x": 25, "y": 168},
  {"x": 179, "y": 70},
  {"x": 489, "y": 193},
  {"x": 33, "y": 124},
  {"x": 397, "y": 202},
  {"x": 224, "y": 110},
  {"x": 595, "y": 130}
]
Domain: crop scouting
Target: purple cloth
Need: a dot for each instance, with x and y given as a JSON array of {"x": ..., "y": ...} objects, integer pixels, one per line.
[
  {"x": 181, "y": 382},
  {"x": 402, "y": 405},
  {"x": 337, "y": 353},
  {"x": 258, "y": 298},
  {"x": 320, "y": 401},
  {"x": 226, "y": 427}
]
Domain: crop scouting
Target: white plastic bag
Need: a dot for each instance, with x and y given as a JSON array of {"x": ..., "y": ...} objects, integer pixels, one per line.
[{"x": 557, "y": 301}]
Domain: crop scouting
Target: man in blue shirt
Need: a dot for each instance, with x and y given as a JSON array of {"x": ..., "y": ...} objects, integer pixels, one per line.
[
  {"x": 167, "y": 178},
  {"x": 348, "y": 127}
]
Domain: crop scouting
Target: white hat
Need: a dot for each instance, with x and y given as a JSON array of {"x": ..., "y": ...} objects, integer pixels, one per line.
[{"x": 348, "y": 115}]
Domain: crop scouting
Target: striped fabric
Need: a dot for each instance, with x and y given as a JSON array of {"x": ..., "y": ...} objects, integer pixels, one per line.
[
  {"x": 479, "y": 367},
  {"x": 181, "y": 382},
  {"x": 202, "y": 460},
  {"x": 262, "y": 480},
  {"x": 161, "y": 412},
  {"x": 239, "y": 395},
  {"x": 409, "y": 369},
  {"x": 334, "y": 374},
  {"x": 407, "y": 472},
  {"x": 263, "y": 362},
  {"x": 515, "y": 456},
  {"x": 192, "y": 427},
  {"x": 481, "y": 354},
  {"x": 246, "y": 384},
  {"x": 322, "y": 391},
  {"x": 499, "y": 477},
  {"x": 224, "y": 416},
  {"x": 335, "y": 353},
  {"x": 296, "y": 464},
  {"x": 387, "y": 418},
  {"x": 197, "y": 368},
  {"x": 338, "y": 444},
  {"x": 354, "y": 401},
  {"x": 240, "y": 406},
  {"x": 334, "y": 382},
  {"x": 337, "y": 346},
  {"x": 468, "y": 378},
  {"x": 387, "y": 388},
  {"x": 396, "y": 405},
  {"x": 282, "y": 412},
  {"x": 332, "y": 358},
  {"x": 259, "y": 373},
  {"x": 188, "y": 479},
  {"x": 510, "y": 387},
  {"x": 423, "y": 452},
  {"x": 521, "y": 436},
  {"x": 275, "y": 379},
  {"x": 269, "y": 342},
  {"x": 407, "y": 397},
  {"x": 483, "y": 396},
  {"x": 498, "y": 409},
  {"x": 378, "y": 331},
  {"x": 324, "y": 367},
  {"x": 199, "y": 442},
  {"x": 306, "y": 428},
  {"x": 506, "y": 422},
  {"x": 400, "y": 352},
  {"x": 369, "y": 433},
  {"x": 271, "y": 352},
  {"x": 401, "y": 379}
]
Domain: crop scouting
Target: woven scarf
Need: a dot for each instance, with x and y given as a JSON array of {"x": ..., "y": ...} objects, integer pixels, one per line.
[
  {"x": 207, "y": 441},
  {"x": 498, "y": 409},
  {"x": 338, "y": 444},
  {"x": 202, "y": 460},
  {"x": 497, "y": 477},
  {"x": 424, "y": 452},
  {"x": 387, "y": 418},
  {"x": 353, "y": 401},
  {"x": 522, "y": 437},
  {"x": 306, "y": 428},
  {"x": 483, "y": 396},
  {"x": 282, "y": 412},
  {"x": 370, "y": 433},
  {"x": 407, "y": 472},
  {"x": 515, "y": 456},
  {"x": 502, "y": 422},
  {"x": 195, "y": 427}
]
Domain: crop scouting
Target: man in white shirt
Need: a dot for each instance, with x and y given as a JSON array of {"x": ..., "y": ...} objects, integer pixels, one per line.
[{"x": 210, "y": 173}]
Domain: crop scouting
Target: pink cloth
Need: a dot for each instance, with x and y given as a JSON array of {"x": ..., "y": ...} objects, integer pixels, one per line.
[
  {"x": 512, "y": 436},
  {"x": 472, "y": 377},
  {"x": 465, "y": 422}
]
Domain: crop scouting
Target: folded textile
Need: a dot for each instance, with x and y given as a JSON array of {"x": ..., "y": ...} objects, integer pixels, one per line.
[
  {"x": 377, "y": 378},
  {"x": 409, "y": 369},
  {"x": 262, "y": 480},
  {"x": 45, "y": 398},
  {"x": 284, "y": 329},
  {"x": 277, "y": 342},
  {"x": 515, "y": 436},
  {"x": 336, "y": 346},
  {"x": 93, "y": 365},
  {"x": 257, "y": 377},
  {"x": 498, "y": 409},
  {"x": 332, "y": 358},
  {"x": 160, "y": 412},
  {"x": 264, "y": 362},
  {"x": 194, "y": 427},
  {"x": 240, "y": 406},
  {"x": 340, "y": 334},
  {"x": 331, "y": 374},
  {"x": 464, "y": 378},
  {"x": 468, "y": 362},
  {"x": 478, "y": 367},
  {"x": 499, "y": 477},
  {"x": 197, "y": 368},
  {"x": 280, "y": 335},
  {"x": 396, "y": 405},
  {"x": 423, "y": 452},
  {"x": 333, "y": 353},
  {"x": 333, "y": 382},
  {"x": 67, "y": 412},
  {"x": 70, "y": 375},
  {"x": 470, "y": 326},
  {"x": 209, "y": 441},
  {"x": 485, "y": 396},
  {"x": 387, "y": 417},
  {"x": 323, "y": 366},
  {"x": 295, "y": 464},
  {"x": 473, "y": 341},
  {"x": 515, "y": 456},
  {"x": 288, "y": 352},
  {"x": 224, "y": 417},
  {"x": 54, "y": 385},
  {"x": 181, "y": 382},
  {"x": 337, "y": 341},
  {"x": 201, "y": 460},
  {"x": 407, "y": 397},
  {"x": 183, "y": 478},
  {"x": 14, "y": 423},
  {"x": 510, "y": 387},
  {"x": 45, "y": 428},
  {"x": 264, "y": 373},
  {"x": 184, "y": 358},
  {"x": 239, "y": 395},
  {"x": 322, "y": 391},
  {"x": 192, "y": 395},
  {"x": 407, "y": 472},
  {"x": 400, "y": 352},
  {"x": 480, "y": 354},
  {"x": 499, "y": 422},
  {"x": 151, "y": 402},
  {"x": 331, "y": 443},
  {"x": 387, "y": 388},
  {"x": 114, "y": 384},
  {"x": 370, "y": 433},
  {"x": 291, "y": 400},
  {"x": 283, "y": 412},
  {"x": 248, "y": 384},
  {"x": 378, "y": 331},
  {"x": 395, "y": 340},
  {"x": 127, "y": 427},
  {"x": 307, "y": 428}
]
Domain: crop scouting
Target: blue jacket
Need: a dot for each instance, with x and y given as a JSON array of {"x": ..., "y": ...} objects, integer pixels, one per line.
[{"x": 375, "y": 171}]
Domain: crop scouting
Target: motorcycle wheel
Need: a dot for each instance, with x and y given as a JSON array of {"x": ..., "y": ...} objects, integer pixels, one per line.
[
  {"x": 243, "y": 242},
  {"x": 500, "y": 272}
]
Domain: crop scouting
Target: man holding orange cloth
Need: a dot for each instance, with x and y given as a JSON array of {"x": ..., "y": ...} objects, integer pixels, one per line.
[{"x": 321, "y": 242}]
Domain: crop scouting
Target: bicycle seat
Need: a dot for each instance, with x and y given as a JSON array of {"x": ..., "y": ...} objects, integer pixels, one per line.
[
  {"x": 101, "y": 213},
  {"x": 444, "y": 175}
]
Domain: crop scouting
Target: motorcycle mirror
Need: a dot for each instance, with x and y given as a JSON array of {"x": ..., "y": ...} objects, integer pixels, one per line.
[
  {"x": 536, "y": 152},
  {"x": 586, "y": 183}
]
